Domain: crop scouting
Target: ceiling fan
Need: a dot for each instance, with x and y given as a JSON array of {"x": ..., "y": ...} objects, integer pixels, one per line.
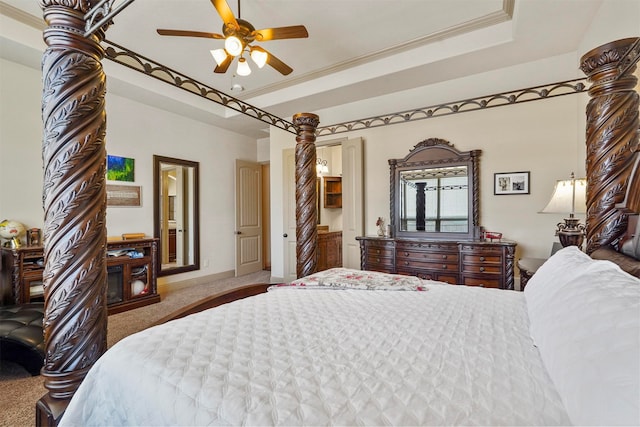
[{"x": 238, "y": 36}]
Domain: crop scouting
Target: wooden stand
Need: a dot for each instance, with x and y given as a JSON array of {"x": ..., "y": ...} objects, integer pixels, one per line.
[{"x": 131, "y": 282}]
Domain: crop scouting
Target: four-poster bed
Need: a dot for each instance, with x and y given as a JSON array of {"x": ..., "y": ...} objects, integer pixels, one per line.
[{"x": 75, "y": 202}]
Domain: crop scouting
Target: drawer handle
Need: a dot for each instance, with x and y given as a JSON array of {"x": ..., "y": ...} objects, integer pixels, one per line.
[
  {"x": 406, "y": 263},
  {"x": 444, "y": 257},
  {"x": 481, "y": 258},
  {"x": 481, "y": 269},
  {"x": 377, "y": 259},
  {"x": 378, "y": 251},
  {"x": 444, "y": 266},
  {"x": 406, "y": 254}
]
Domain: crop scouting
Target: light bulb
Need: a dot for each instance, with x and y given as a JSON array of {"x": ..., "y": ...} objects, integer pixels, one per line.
[
  {"x": 243, "y": 67},
  {"x": 259, "y": 57},
  {"x": 219, "y": 55},
  {"x": 233, "y": 46}
]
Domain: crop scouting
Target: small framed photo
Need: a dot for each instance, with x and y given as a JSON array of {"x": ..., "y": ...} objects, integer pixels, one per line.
[{"x": 511, "y": 183}]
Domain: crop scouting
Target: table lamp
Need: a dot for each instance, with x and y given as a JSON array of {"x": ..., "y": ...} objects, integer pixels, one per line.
[{"x": 569, "y": 196}]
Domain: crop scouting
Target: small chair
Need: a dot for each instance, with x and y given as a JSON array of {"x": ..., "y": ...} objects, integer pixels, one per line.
[{"x": 21, "y": 335}]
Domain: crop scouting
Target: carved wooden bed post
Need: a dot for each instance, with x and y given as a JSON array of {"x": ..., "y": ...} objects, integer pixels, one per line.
[
  {"x": 74, "y": 201},
  {"x": 612, "y": 139},
  {"x": 306, "y": 194}
]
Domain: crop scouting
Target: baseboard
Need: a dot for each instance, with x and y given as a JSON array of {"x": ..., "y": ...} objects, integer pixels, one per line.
[{"x": 165, "y": 287}]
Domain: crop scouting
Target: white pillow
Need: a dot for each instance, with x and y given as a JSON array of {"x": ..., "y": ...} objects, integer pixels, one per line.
[
  {"x": 588, "y": 335},
  {"x": 552, "y": 276}
]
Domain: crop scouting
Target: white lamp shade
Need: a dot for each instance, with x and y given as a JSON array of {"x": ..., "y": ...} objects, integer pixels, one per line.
[
  {"x": 219, "y": 55},
  {"x": 259, "y": 57},
  {"x": 233, "y": 46},
  {"x": 243, "y": 67},
  {"x": 565, "y": 200}
]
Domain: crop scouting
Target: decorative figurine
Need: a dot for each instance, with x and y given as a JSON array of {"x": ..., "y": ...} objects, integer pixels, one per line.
[{"x": 380, "y": 225}]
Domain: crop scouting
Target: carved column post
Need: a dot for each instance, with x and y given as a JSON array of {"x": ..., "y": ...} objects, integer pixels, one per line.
[
  {"x": 421, "y": 206},
  {"x": 612, "y": 138},
  {"x": 74, "y": 201},
  {"x": 306, "y": 193}
]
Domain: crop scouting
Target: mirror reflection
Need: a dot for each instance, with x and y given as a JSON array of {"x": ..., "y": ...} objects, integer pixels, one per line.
[
  {"x": 176, "y": 214},
  {"x": 435, "y": 200},
  {"x": 435, "y": 192}
]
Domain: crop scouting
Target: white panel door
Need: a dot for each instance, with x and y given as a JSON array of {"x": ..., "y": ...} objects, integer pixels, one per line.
[
  {"x": 248, "y": 217},
  {"x": 352, "y": 202},
  {"x": 289, "y": 209}
]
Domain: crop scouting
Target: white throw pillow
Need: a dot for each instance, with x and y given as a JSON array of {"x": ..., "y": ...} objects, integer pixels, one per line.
[
  {"x": 552, "y": 276},
  {"x": 588, "y": 335}
]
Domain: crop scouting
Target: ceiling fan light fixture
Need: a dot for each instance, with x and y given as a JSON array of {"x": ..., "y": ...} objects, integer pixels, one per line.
[
  {"x": 243, "y": 67},
  {"x": 219, "y": 55},
  {"x": 259, "y": 57},
  {"x": 233, "y": 45}
]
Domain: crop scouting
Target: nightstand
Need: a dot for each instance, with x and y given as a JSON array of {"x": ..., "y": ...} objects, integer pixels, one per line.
[{"x": 528, "y": 267}]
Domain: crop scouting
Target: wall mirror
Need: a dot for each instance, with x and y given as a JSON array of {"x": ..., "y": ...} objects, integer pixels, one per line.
[
  {"x": 175, "y": 214},
  {"x": 435, "y": 192}
]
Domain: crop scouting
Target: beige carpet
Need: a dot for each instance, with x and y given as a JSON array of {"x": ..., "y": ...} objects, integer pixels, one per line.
[{"x": 19, "y": 393}]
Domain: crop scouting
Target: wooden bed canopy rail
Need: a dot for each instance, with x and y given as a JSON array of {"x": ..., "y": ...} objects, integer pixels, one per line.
[{"x": 74, "y": 186}]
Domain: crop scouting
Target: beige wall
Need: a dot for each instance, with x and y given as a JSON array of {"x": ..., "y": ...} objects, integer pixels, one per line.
[
  {"x": 545, "y": 137},
  {"x": 134, "y": 130},
  {"x": 540, "y": 137}
]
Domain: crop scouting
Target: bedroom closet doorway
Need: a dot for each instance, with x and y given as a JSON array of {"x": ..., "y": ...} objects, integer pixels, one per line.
[
  {"x": 248, "y": 217},
  {"x": 347, "y": 164}
]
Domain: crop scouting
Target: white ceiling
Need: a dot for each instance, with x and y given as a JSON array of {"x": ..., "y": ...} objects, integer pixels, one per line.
[{"x": 356, "y": 50}]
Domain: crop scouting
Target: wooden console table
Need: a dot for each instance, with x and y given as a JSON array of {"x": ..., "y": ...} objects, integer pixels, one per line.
[
  {"x": 472, "y": 263},
  {"x": 131, "y": 274}
]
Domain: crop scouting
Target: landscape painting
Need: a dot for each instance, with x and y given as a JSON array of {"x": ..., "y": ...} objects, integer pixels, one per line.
[{"x": 120, "y": 169}]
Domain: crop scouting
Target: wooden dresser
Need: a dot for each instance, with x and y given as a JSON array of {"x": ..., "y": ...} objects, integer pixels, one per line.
[{"x": 472, "y": 263}]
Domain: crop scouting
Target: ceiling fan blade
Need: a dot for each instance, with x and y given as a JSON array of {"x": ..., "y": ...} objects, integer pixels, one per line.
[
  {"x": 280, "y": 66},
  {"x": 225, "y": 12},
  {"x": 187, "y": 33},
  {"x": 222, "y": 68},
  {"x": 292, "y": 32}
]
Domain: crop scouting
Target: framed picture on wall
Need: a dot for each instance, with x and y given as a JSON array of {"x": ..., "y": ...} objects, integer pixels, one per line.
[
  {"x": 511, "y": 183},
  {"x": 124, "y": 195},
  {"x": 120, "y": 168}
]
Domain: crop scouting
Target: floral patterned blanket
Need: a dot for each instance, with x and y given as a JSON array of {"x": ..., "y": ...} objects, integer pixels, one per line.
[{"x": 345, "y": 278}]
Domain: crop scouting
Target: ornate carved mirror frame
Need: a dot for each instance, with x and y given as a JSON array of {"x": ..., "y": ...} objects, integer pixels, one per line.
[{"x": 436, "y": 153}]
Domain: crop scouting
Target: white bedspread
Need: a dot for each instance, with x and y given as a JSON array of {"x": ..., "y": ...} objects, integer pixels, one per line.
[{"x": 453, "y": 355}]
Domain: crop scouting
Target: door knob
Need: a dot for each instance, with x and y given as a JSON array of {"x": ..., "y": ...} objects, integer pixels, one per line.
[
  {"x": 285, "y": 235},
  {"x": 238, "y": 232}
]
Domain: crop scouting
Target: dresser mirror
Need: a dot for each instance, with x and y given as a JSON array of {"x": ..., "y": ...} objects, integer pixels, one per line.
[
  {"x": 175, "y": 214},
  {"x": 435, "y": 193}
]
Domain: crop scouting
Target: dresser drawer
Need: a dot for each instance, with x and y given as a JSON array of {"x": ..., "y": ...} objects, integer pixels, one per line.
[
  {"x": 481, "y": 259},
  {"x": 449, "y": 277},
  {"x": 380, "y": 251},
  {"x": 426, "y": 265},
  {"x": 413, "y": 254},
  {"x": 482, "y": 281},
  {"x": 482, "y": 268},
  {"x": 376, "y": 259}
]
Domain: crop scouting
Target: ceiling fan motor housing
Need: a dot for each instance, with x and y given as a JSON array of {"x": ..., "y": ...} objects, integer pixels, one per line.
[{"x": 245, "y": 31}]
